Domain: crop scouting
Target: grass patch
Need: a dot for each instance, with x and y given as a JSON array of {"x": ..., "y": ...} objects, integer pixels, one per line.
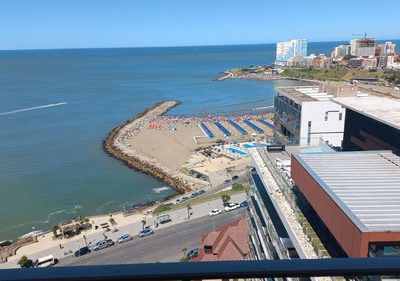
[
  {"x": 162, "y": 208},
  {"x": 202, "y": 199},
  {"x": 334, "y": 74}
]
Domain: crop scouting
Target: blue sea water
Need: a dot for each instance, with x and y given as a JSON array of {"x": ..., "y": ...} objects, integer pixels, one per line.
[{"x": 52, "y": 166}]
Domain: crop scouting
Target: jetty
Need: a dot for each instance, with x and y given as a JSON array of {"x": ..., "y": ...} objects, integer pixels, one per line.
[{"x": 116, "y": 145}]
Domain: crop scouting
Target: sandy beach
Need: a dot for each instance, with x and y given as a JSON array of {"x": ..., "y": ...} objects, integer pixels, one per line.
[{"x": 161, "y": 145}]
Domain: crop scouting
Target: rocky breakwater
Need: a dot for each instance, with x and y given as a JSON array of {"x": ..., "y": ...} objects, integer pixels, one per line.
[{"x": 117, "y": 146}]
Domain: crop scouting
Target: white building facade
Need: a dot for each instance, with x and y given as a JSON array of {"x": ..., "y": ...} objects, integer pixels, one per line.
[
  {"x": 306, "y": 115},
  {"x": 289, "y": 49},
  {"x": 363, "y": 47}
]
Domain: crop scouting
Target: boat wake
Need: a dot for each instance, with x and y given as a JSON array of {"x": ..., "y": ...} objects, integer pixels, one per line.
[
  {"x": 160, "y": 189},
  {"x": 31, "y": 108}
]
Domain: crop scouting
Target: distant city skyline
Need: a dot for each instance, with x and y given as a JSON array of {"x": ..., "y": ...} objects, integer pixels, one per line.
[{"x": 46, "y": 24}]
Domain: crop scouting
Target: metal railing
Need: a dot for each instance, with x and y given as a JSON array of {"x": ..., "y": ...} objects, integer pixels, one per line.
[{"x": 213, "y": 270}]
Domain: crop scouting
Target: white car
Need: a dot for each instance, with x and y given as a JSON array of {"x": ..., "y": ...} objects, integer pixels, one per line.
[
  {"x": 215, "y": 212},
  {"x": 231, "y": 207}
]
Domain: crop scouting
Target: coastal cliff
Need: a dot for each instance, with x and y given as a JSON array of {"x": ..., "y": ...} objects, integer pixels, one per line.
[{"x": 115, "y": 145}]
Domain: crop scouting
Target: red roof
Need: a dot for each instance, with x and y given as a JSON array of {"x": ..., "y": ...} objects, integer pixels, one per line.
[{"x": 229, "y": 242}]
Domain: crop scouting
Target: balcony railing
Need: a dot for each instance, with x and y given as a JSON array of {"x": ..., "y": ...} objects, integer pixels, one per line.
[{"x": 213, "y": 270}]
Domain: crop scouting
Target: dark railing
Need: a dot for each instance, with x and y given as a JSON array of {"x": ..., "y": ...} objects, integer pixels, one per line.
[{"x": 212, "y": 270}]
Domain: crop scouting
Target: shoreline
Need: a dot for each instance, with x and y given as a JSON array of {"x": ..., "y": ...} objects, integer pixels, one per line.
[{"x": 114, "y": 146}]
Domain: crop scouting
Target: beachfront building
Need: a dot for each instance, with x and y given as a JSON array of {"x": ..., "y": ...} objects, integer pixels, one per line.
[
  {"x": 356, "y": 195},
  {"x": 341, "y": 51},
  {"x": 290, "y": 49},
  {"x": 305, "y": 115},
  {"x": 362, "y": 47},
  {"x": 371, "y": 123},
  {"x": 388, "y": 48}
]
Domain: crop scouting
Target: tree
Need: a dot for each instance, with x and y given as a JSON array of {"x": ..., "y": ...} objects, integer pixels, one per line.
[
  {"x": 25, "y": 262},
  {"x": 225, "y": 198},
  {"x": 143, "y": 223},
  {"x": 188, "y": 207}
]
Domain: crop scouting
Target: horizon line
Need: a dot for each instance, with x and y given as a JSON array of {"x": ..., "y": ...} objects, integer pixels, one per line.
[{"x": 171, "y": 46}]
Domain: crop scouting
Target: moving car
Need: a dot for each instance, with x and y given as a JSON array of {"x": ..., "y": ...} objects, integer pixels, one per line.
[
  {"x": 124, "y": 238},
  {"x": 102, "y": 244},
  {"x": 82, "y": 251},
  {"x": 146, "y": 231},
  {"x": 45, "y": 261},
  {"x": 215, "y": 212},
  {"x": 193, "y": 253},
  {"x": 231, "y": 207}
]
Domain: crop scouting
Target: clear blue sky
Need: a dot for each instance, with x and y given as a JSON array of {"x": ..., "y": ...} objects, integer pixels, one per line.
[{"x": 34, "y": 24}]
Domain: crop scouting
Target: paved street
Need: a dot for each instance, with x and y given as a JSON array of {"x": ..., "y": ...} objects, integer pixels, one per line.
[{"x": 164, "y": 246}]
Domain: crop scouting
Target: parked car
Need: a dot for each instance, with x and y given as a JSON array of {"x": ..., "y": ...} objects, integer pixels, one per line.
[
  {"x": 194, "y": 194},
  {"x": 215, "y": 212},
  {"x": 193, "y": 253},
  {"x": 231, "y": 207},
  {"x": 201, "y": 191},
  {"x": 146, "y": 231},
  {"x": 235, "y": 178},
  {"x": 227, "y": 181},
  {"x": 45, "y": 261},
  {"x": 244, "y": 204},
  {"x": 102, "y": 244},
  {"x": 164, "y": 219},
  {"x": 124, "y": 238},
  {"x": 82, "y": 251},
  {"x": 184, "y": 198}
]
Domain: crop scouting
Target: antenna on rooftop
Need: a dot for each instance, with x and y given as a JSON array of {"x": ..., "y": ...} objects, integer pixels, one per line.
[{"x": 361, "y": 34}]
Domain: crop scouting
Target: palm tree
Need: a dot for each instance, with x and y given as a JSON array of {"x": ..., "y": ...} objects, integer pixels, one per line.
[
  {"x": 188, "y": 210},
  {"x": 143, "y": 223}
]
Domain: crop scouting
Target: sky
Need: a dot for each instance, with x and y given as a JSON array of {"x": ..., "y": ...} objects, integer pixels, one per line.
[{"x": 48, "y": 24}]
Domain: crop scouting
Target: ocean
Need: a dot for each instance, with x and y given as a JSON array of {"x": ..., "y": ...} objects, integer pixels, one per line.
[{"x": 57, "y": 106}]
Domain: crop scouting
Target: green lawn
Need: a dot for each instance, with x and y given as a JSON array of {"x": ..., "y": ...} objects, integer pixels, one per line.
[{"x": 202, "y": 199}]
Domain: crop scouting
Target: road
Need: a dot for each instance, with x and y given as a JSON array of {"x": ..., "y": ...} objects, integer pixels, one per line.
[{"x": 165, "y": 245}]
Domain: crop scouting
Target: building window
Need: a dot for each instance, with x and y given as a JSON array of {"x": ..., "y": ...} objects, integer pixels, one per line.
[
  {"x": 309, "y": 134},
  {"x": 340, "y": 116},
  {"x": 326, "y": 116}
]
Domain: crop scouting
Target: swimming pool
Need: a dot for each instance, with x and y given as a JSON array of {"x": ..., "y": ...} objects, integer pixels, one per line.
[
  {"x": 237, "y": 151},
  {"x": 247, "y": 145}
]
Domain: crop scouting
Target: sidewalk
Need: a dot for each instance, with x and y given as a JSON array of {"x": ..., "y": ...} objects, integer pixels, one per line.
[{"x": 131, "y": 224}]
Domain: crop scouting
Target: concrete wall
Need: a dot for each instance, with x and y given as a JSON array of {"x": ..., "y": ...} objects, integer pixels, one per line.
[
  {"x": 352, "y": 240},
  {"x": 330, "y": 130}
]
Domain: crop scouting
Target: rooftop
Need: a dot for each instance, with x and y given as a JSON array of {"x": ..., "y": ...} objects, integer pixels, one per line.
[
  {"x": 229, "y": 242},
  {"x": 364, "y": 184},
  {"x": 382, "y": 109},
  {"x": 304, "y": 93}
]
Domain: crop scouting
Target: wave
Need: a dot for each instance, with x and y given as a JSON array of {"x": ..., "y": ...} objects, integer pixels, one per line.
[
  {"x": 160, "y": 189},
  {"x": 31, "y": 108}
]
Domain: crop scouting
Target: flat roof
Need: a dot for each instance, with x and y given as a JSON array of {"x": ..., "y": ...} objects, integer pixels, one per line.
[
  {"x": 364, "y": 184},
  {"x": 382, "y": 109},
  {"x": 295, "y": 93}
]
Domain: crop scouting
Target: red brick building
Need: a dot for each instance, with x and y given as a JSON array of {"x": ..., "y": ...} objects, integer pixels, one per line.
[
  {"x": 229, "y": 242},
  {"x": 357, "y": 196}
]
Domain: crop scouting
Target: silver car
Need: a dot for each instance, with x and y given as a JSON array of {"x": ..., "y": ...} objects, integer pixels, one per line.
[
  {"x": 102, "y": 244},
  {"x": 124, "y": 238}
]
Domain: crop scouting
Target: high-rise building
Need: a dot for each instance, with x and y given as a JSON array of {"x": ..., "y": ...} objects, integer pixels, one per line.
[
  {"x": 289, "y": 49},
  {"x": 341, "y": 51},
  {"x": 362, "y": 47}
]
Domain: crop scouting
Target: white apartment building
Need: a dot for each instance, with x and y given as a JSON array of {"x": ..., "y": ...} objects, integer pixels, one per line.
[
  {"x": 307, "y": 114},
  {"x": 288, "y": 49},
  {"x": 341, "y": 51}
]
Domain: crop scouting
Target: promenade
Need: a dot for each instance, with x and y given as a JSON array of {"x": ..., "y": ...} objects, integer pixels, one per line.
[{"x": 130, "y": 224}]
